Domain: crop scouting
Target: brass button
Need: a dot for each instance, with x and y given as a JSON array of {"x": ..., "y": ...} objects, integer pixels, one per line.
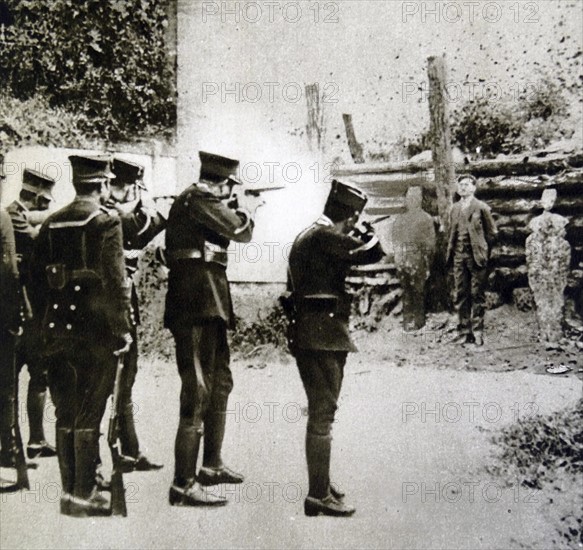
[
  {"x": 73, "y": 307},
  {"x": 54, "y": 270},
  {"x": 52, "y": 325},
  {"x": 77, "y": 288},
  {"x": 55, "y": 306},
  {"x": 69, "y": 327},
  {"x": 331, "y": 314}
]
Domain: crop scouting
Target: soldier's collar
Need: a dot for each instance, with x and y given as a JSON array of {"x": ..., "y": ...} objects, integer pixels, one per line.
[
  {"x": 88, "y": 199},
  {"x": 324, "y": 220}
]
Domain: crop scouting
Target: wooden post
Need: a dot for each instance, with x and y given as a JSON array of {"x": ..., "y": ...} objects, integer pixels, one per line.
[
  {"x": 440, "y": 138},
  {"x": 314, "y": 128},
  {"x": 356, "y": 150},
  {"x": 440, "y": 280}
]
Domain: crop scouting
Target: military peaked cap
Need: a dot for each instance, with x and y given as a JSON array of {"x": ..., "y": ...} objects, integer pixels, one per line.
[
  {"x": 216, "y": 168},
  {"x": 127, "y": 173},
  {"x": 38, "y": 183},
  {"x": 345, "y": 196},
  {"x": 91, "y": 169}
]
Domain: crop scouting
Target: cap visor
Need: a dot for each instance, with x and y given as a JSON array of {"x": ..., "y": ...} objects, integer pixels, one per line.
[{"x": 235, "y": 180}]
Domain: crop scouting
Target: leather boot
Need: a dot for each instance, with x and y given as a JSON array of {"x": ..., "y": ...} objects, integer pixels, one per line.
[
  {"x": 86, "y": 500},
  {"x": 213, "y": 470},
  {"x": 185, "y": 491},
  {"x": 130, "y": 446},
  {"x": 128, "y": 436},
  {"x": 7, "y": 439},
  {"x": 37, "y": 445},
  {"x": 319, "y": 499},
  {"x": 66, "y": 456}
]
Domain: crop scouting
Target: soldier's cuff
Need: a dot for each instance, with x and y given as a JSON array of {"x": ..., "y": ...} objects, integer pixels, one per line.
[
  {"x": 246, "y": 221},
  {"x": 366, "y": 246}
]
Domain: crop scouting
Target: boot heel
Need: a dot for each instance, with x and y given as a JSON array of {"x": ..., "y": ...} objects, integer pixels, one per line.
[
  {"x": 310, "y": 508},
  {"x": 66, "y": 505},
  {"x": 173, "y": 498}
]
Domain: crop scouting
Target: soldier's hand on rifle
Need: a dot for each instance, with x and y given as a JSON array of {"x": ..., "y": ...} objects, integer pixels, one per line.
[
  {"x": 163, "y": 205},
  {"x": 16, "y": 331},
  {"x": 127, "y": 338},
  {"x": 250, "y": 202}
]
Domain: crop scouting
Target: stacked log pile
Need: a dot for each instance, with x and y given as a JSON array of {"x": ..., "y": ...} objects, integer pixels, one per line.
[
  {"x": 511, "y": 186},
  {"x": 514, "y": 195}
]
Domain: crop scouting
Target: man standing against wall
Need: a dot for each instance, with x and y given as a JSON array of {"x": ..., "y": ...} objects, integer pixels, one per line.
[
  {"x": 472, "y": 231},
  {"x": 319, "y": 338},
  {"x": 27, "y": 214},
  {"x": 202, "y": 222}
]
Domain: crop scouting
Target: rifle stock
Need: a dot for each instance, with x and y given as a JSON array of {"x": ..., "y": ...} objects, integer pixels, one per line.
[
  {"x": 118, "y": 500},
  {"x": 22, "y": 481}
]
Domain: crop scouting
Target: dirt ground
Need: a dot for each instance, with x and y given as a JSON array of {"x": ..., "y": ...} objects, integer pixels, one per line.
[{"x": 412, "y": 450}]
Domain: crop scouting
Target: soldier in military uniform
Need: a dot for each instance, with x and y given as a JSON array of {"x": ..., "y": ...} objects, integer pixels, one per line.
[
  {"x": 83, "y": 299},
  {"x": 472, "y": 232},
  {"x": 9, "y": 326},
  {"x": 140, "y": 224},
  {"x": 28, "y": 213},
  {"x": 198, "y": 312},
  {"x": 319, "y": 261}
]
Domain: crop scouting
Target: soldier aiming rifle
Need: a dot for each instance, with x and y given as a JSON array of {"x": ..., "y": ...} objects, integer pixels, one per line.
[
  {"x": 319, "y": 310},
  {"x": 202, "y": 222}
]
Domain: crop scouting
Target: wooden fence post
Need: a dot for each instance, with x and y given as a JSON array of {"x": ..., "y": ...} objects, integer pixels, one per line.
[
  {"x": 356, "y": 151},
  {"x": 315, "y": 126},
  {"x": 440, "y": 280},
  {"x": 440, "y": 138}
]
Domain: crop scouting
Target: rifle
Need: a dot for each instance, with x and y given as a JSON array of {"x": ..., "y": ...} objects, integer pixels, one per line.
[
  {"x": 22, "y": 481},
  {"x": 118, "y": 499},
  {"x": 254, "y": 191}
]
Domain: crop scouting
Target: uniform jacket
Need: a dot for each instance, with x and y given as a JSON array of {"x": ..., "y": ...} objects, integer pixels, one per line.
[
  {"x": 481, "y": 229},
  {"x": 139, "y": 227},
  {"x": 198, "y": 289},
  {"x": 80, "y": 289},
  {"x": 25, "y": 233},
  {"x": 9, "y": 281},
  {"x": 319, "y": 262}
]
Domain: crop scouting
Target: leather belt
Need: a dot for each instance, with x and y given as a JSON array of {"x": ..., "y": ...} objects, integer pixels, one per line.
[{"x": 211, "y": 253}]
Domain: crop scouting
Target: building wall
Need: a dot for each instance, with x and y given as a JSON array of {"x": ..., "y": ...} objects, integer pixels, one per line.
[{"x": 159, "y": 173}]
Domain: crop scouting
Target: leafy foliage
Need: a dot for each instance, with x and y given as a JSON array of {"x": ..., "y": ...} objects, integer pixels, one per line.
[
  {"x": 270, "y": 330},
  {"x": 34, "y": 122},
  {"x": 530, "y": 121},
  {"x": 104, "y": 59},
  {"x": 541, "y": 445}
]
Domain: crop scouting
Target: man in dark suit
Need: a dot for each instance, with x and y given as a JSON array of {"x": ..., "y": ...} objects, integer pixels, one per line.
[
  {"x": 201, "y": 224},
  {"x": 472, "y": 231},
  {"x": 82, "y": 296},
  {"x": 140, "y": 224},
  {"x": 28, "y": 212},
  {"x": 319, "y": 261}
]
